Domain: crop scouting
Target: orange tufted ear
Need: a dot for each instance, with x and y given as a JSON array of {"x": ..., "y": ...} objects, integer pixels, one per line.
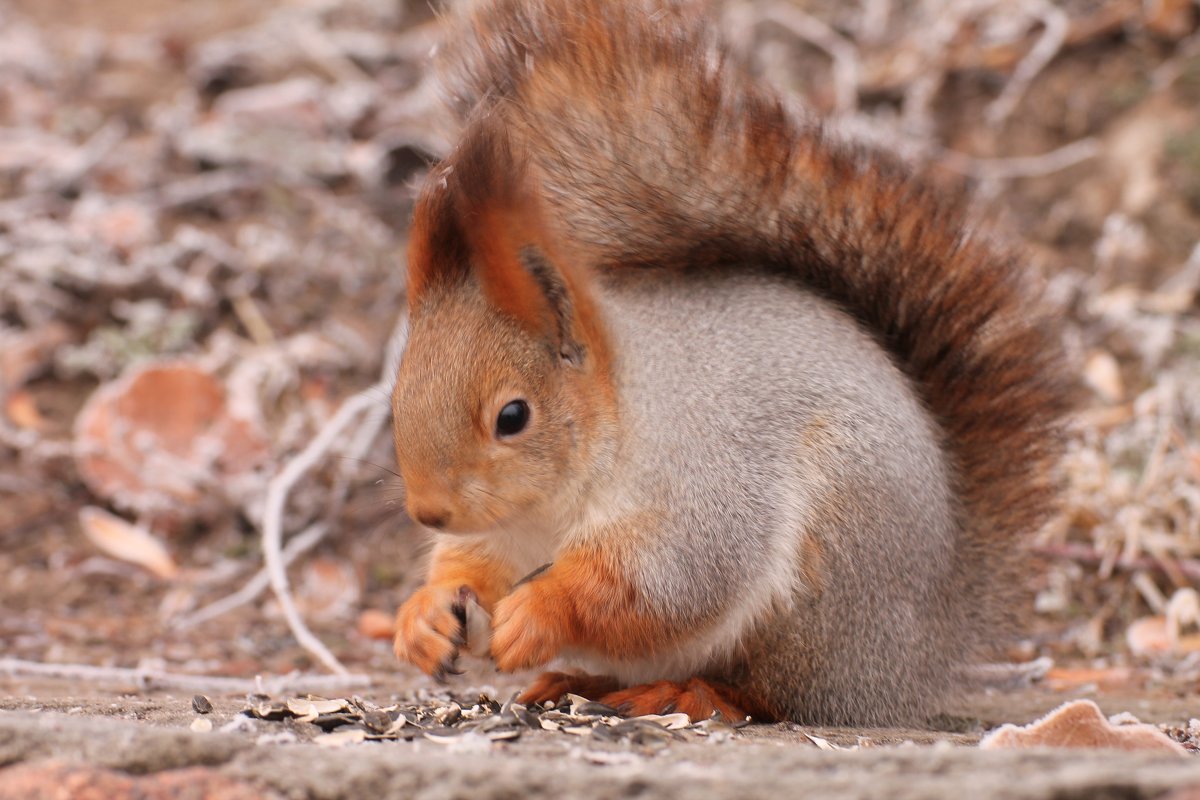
[
  {"x": 437, "y": 249},
  {"x": 481, "y": 216},
  {"x": 500, "y": 214}
]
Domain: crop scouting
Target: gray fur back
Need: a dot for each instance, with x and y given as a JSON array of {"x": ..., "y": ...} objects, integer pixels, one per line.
[{"x": 761, "y": 414}]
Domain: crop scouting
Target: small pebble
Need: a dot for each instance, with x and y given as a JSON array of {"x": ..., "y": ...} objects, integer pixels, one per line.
[{"x": 201, "y": 704}]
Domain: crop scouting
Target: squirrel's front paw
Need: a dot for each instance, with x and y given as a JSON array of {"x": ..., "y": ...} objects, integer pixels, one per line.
[
  {"x": 527, "y": 628},
  {"x": 429, "y": 631}
]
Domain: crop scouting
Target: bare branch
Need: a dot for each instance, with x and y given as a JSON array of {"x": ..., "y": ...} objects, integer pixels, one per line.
[
  {"x": 874, "y": 20},
  {"x": 300, "y": 544},
  {"x": 840, "y": 50},
  {"x": 272, "y": 520},
  {"x": 1021, "y": 166},
  {"x": 1086, "y": 554},
  {"x": 1056, "y": 23},
  {"x": 356, "y": 407},
  {"x": 146, "y": 679}
]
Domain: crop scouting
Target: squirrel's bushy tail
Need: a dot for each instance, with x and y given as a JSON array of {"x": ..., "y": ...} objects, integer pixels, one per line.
[{"x": 653, "y": 149}]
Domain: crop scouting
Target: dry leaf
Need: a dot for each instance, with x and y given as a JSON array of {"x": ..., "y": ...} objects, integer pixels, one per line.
[
  {"x": 1171, "y": 19},
  {"x": 671, "y": 722},
  {"x": 22, "y": 410},
  {"x": 127, "y": 542},
  {"x": 1103, "y": 375},
  {"x": 292, "y": 104},
  {"x": 1066, "y": 678},
  {"x": 376, "y": 624},
  {"x": 1081, "y": 724},
  {"x": 1164, "y": 634},
  {"x": 124, "y": 226},
  {"x": 161, "y": 436},
  {"x": 822, "y": 744},
  {"x": 1148, "y": 635}
]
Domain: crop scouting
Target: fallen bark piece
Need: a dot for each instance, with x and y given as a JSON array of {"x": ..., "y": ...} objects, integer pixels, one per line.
[
  {"x": 1081, "y": 724},
  {"x": 125, "y": 541}
]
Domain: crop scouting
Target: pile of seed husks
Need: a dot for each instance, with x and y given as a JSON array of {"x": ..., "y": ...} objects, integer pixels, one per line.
[{"x": 482, "y": 720}]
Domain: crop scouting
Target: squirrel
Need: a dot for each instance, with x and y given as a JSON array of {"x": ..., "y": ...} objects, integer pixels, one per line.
[{"x": 764, "y": 412}]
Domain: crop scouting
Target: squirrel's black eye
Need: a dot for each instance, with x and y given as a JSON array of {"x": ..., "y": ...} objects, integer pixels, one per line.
[{"x": 513, "y": 418}]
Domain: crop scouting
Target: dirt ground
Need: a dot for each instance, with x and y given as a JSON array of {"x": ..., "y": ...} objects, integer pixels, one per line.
[
  {"x": 142, "y": 742},
  {"x": 545, "y": 767},
  {"x": 226, "y": 185}
]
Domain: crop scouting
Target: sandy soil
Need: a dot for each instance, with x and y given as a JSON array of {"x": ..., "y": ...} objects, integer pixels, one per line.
[
  {"x": 545, "y": 766},
  {"x": 47, "y": 728}
]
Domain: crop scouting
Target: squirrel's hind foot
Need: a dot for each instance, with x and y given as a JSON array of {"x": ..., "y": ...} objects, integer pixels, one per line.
[
  {"x": 551, "y": 686},
  {"x": 696, "y": 697}
]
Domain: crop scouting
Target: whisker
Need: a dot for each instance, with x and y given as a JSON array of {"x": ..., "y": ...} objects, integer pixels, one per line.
[{"x": 373, "y": 464}]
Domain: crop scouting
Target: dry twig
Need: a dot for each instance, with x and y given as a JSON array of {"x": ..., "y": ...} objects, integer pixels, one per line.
[
  {"x": 1048, "y": 45},
  {"x": 353, "y": 409},
  {"x": 146, "y": 679},
  {"x": 874, "y": 19},
  {"x": 840, "y": 50},
  {"x": 300, "y": 544},
  {"x": 991, "y": 169},
  {"x": 1086, "y": 554}
]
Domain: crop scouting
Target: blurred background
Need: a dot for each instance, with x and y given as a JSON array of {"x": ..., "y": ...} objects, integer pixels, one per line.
[{"x": 202, "y": 222}]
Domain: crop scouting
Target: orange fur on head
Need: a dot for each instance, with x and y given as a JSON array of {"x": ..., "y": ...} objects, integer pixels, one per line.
[{"x": 501, "y": 312}]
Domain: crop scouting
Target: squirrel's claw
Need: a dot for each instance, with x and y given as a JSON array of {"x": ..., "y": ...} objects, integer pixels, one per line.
[
  {"x": 428, "y": 632},
  {"x": 446, "y": 669}
]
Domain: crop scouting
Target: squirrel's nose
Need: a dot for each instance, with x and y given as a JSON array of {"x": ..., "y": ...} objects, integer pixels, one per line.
[
  {"x": 430, "y": 503},
  {"x": 432, "y": 518}
]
